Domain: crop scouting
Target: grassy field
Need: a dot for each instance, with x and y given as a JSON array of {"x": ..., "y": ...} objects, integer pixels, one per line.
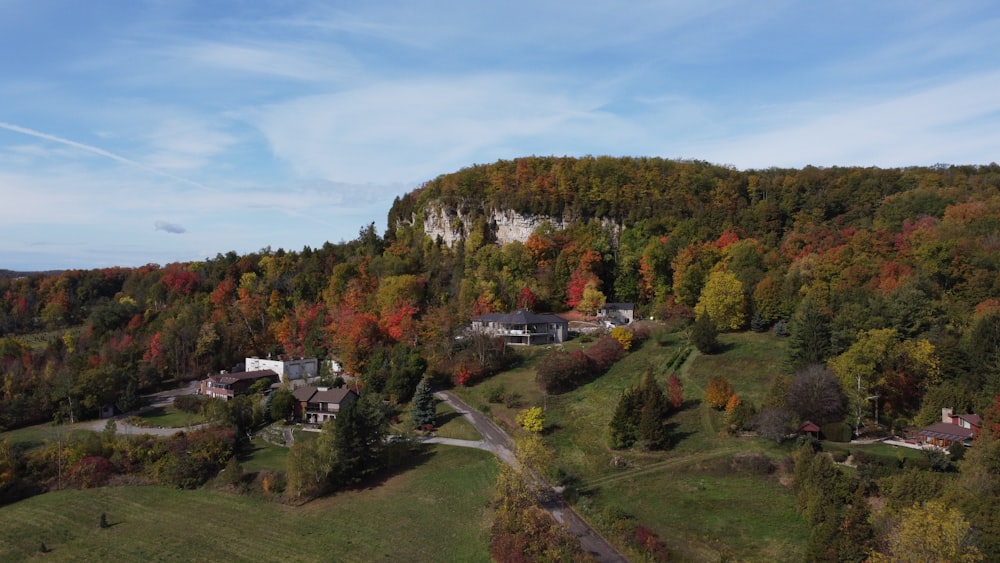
[
  {"x": 34, "y": 436},
  {"x": 435, "y": 511},
  {"x": 453, "y": 425},
  {"x": 687, "y": 495},
  {"x": 169, "y": 416}
]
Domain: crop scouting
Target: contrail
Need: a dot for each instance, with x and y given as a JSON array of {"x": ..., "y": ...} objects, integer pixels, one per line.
[
  {"x": 101, "y": 152},
  {"x": 128, "y": 161}
]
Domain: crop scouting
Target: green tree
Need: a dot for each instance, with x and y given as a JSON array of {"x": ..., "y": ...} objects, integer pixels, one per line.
[
  {"x": 423, "y": 407},
  {"x": 282, "y": 402},
  {"x": 809, "y": 338},
  {"x": 704, "y": 334},
  {"x": 359, "y": 439}
]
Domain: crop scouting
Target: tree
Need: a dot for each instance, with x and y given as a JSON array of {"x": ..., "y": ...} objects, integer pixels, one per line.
[
  {"x": 704, "y": 334},
  {"x": 593, "y": 299},
  {"x": 723, "y": 299},
  {"x": 423, "y": 409},
  {"x": 809, "y": 338},
  {"x": 675, "y": 391},
  {"x": 933, "y": 531},
  {"x": 623, "y": 336},
  {"x": 359, "y": 439},
  {"x": 640, "y": 417},
  {"x": 718, "y": 391},
  {"x": 816, "y": 395},
  {"x": 532, "y": 420},
  {"x": 282, "y": 403}
]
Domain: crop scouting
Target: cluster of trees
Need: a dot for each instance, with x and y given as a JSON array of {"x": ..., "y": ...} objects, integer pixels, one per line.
[
  {"x": 522, "y": 530},
  {"x": 930, "y": 511},
  {"x": 349, "y": 449},
  {"x": 560, "y": 371},
  {"x": 839, "y": 253},
  {"x": 86, "y": 459},
  {"x": 640, "y": 419}
]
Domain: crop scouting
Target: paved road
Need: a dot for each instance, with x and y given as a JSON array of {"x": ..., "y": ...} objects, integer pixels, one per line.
[
  {"x": 154, "y": 400},
  {"x": 498, "y": 441}
]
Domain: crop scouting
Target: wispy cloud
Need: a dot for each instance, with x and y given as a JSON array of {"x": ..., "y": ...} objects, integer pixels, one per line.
[{"x": 172, "y": 228}]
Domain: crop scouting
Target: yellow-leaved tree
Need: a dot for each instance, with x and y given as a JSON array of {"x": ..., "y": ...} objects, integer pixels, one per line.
[
  {"x": 623, "y": 336},
  {"x": 929, "y": 532},
  {"x": 723, "y": 299}
]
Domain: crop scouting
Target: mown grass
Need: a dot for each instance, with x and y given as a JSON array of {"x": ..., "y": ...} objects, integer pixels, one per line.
[
  {"x": 687, "y": 495},
  {"x": 34, "y": 436},
  {"x": 168, "y": 416},
  {"x": 453, "y": 425},
  {"x": 262, "y": 455},
  {"x": 435, "y": 511}
]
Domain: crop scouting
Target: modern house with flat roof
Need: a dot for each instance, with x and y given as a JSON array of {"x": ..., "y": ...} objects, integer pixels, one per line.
[{"x": 523, "y": 328}]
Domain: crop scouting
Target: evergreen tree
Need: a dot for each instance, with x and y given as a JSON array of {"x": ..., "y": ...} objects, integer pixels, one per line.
[
  {"x": 359, "y": 439},
  {"x": 652, "y": 417},
  {"x": 624, "y": 426},
  {"x": 809, "y": 338},
  {"x": 423, "y": 407},
  {"x": 704, "y": 334}
]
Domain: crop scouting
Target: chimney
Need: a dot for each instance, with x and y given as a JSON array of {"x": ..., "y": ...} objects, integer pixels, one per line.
[{"x": 946, "y": 414}]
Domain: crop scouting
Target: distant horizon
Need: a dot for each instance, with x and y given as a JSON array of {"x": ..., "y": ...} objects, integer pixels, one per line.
[{"x": 136, "y": 133}]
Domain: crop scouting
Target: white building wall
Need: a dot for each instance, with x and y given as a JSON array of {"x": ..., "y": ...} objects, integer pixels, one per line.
[{"x": 289, "y": 370}]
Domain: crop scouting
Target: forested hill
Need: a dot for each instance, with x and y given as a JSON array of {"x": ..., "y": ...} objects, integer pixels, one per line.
[
  {"x": 699, "y": 197},
  {"x": 900, "y": 261}
]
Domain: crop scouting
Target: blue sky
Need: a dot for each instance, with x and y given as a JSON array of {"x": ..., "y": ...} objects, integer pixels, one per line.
[{"x": 170, "y": 130}]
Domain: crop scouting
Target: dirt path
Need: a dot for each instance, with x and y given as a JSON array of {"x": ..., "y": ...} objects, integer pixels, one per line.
[{"x": 499, "y": 442}]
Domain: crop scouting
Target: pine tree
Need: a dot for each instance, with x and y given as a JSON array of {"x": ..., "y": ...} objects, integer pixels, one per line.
[
  {"x": 704, "y": 334},
  {"x": 423, "y": 407},
  {"x": 624, "y": 426},
  {"x": 652, "y": 431},
  {"x": 809, "y": 338}
]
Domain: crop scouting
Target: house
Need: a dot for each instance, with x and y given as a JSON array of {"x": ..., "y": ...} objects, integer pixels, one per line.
[
  {"x": 523, "y": 327},
  {"x": 953, "y": 428},
  {"x": 224, "y": 385},
  {"x": 617, "y": 313},
  {"x": 292, "y": 371},
  {"x": 316, "y": 405}
]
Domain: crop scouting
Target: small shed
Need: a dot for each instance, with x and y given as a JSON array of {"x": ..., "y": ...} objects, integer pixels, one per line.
[{"x": 808, "y": 427}]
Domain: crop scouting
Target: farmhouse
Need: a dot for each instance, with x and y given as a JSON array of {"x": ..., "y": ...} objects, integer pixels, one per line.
[
  {"x": 523, "y": 327},
  {"x": 953, "y": 428},
  {"x": 316, "y": 405},
  {"x": 617, "y": 313},
  {"x": 226, "y": 385}
]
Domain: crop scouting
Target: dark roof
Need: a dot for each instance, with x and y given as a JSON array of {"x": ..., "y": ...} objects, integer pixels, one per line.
[
  {"x": 313, "y": 394},
  {"x": 619, "y": 306},
  {"x": 242, "y": 376},
  {"x": 519, "y": 317},
  {"x": 973, "y": 419},
  {"x": 946, "y": 430}
]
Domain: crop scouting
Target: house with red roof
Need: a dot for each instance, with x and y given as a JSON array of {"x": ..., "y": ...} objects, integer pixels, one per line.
[{"x": 953, "y": 428}]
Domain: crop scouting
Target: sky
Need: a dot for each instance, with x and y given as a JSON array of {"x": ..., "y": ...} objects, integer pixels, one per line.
[{"x": 159, "y": 131}]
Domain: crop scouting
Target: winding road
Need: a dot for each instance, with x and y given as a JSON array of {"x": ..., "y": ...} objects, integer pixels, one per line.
[{"x": 496, "y": 440}]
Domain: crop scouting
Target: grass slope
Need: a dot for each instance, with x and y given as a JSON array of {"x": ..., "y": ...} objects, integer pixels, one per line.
[
  {"x": 436, "y": 511},
  {"x": 689, "y": 495}
]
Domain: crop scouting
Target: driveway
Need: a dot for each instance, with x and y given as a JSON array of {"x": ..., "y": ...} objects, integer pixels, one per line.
[{"x": 499, "y": 442}]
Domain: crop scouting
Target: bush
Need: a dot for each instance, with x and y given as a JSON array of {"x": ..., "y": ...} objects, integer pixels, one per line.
[
  {"x": 837, "y": 432},
  {"x": 189, "y": 403},
  {"x": 512, "y": 400},
  {"x": 495, "y": 394},
  {"x": 754, "y": 463}
]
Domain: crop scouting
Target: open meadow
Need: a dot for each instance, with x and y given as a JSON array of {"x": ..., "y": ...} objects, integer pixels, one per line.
[
  {"x": 691, "y": 496},
  {"x": 436, "y": 510}
]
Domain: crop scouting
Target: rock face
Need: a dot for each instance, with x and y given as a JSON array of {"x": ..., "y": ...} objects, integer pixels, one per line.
[{"x": 452, "y": 225}]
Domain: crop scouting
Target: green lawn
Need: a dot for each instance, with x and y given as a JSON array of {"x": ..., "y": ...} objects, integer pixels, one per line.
[
  {"x": 453, "y": 425},
  {"x": 687, "y": 494},
  {"x": 263, "y": 455},
  {"x": 169, "y": 416},
  {"x": 34, "y": 436},
  {"x": 435, "y": 511}
]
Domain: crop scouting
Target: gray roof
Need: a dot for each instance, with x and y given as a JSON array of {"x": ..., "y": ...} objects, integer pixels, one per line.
[
  {"x": 312, "y": 394},
  {"x": 618, "y": 306},
  {"x": 519, "y": 317}
]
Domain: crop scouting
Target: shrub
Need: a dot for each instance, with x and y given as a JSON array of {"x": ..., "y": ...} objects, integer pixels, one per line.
[
  {"x": 495, "y": 394},
  {"x": 512, "y": 400},
  {"x": 754, "y": 463},
  {"x": 189, "y": 403},
  {"x": 605, "y": 352},
  {"x": 623, "y": 336},
  {"x": 837, "y": 432},
  {"x": 718, "y": 391},
  {"x": 89, "y": 472}
]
